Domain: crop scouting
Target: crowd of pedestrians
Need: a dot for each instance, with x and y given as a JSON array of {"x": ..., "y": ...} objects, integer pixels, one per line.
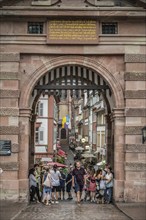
[{"x": 51, "y": 184}]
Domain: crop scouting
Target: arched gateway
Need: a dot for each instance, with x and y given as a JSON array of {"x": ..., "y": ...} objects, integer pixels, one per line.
[
  {"x": 87, "y": 38},
  {"x": 99, "y": 78}
]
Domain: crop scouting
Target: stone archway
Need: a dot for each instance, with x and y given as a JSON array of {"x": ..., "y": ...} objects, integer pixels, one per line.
[
  {"x": 117, "y": 115},
  {"x": 28, "y": 86}
]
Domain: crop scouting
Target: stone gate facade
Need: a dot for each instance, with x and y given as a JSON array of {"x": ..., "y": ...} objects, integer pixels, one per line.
[{"x": 93, "y": 35}]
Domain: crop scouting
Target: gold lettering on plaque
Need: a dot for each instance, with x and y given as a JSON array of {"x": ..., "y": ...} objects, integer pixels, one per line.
[{"x": 81, "y": 30}]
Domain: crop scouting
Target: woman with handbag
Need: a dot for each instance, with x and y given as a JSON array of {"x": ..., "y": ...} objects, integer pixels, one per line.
[
  {"x": 47, "y": 187},
  {"x": 100, "y": 186},
  {"x": 109, "y": 186}
]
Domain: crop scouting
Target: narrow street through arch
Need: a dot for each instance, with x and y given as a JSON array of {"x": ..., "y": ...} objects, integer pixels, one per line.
[{"x": 69, "y": 210}]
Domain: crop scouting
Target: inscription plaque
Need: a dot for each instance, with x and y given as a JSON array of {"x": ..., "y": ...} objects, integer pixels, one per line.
[{"x": 72, "y": 31}]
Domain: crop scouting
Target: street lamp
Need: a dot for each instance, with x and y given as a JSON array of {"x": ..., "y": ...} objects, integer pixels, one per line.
[
  {"x": 83, "y": 140},
  {"x": 143, "y": 134}
]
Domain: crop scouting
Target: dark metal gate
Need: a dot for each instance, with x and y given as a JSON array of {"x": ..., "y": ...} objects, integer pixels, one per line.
[{"x": 74, "y": 78}]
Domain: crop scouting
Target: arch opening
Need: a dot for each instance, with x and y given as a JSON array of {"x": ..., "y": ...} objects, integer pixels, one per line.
[{"x": 78, "y": 81}]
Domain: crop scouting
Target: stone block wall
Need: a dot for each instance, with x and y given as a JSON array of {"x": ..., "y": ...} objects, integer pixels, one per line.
[
  {"x": 15, "y": 127},
  {"x": 135, "y": 120},
  {"x": 9, "y": 122}
]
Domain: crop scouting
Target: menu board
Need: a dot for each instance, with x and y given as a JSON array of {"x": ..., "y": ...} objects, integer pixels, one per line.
[{"x": 5, "y": 148}]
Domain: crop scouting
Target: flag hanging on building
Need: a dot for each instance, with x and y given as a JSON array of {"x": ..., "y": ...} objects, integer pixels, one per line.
[{"x": 63, "y": 122}]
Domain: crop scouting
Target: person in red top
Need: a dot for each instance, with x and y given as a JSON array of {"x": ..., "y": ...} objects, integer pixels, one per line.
[
  {"x": 92, "y": 185},
  {"x": 78, "y": 180}
]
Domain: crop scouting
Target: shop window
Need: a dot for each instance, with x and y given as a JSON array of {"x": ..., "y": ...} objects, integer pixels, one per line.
[
  {"x": 35, "y": 27},
  {"x": 109, "y": 28}
]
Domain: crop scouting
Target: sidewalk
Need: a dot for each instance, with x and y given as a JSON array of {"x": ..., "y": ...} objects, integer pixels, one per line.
[
  {"x": 136, "y": 211},
  {"x": 10, "y": 209}
]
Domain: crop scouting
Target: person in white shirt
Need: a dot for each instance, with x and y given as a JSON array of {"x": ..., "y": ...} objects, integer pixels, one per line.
[
  {"x": 109, "y": 185},
  {"x": 55, "y": 181}
]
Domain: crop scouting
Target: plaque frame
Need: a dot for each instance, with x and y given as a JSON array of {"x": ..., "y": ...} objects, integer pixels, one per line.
[{"x": 74, "y": 41}]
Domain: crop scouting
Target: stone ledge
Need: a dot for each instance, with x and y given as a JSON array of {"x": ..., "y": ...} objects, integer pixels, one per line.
[
  {"x": 135, "y": 76},
  {"x": 135, "y": 166},
  {"x": 12, "y": 130},
  {"x": 9, "y": 93},
  {"x": 135, "y": 58},
  {"x": 9, "y": 112},
  {"x": 9, "y": 75},
  {"x": 132, "y": 94},
  {"x": 133, "y": 130},
  {"x": 135, "y": 112},
  {"x": 135, "y": 148},
  {"x": 10, "y": 166}
]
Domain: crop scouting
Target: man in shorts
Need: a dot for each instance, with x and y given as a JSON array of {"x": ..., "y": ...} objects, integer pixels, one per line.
[
  {"x": 78, "y": 180},
  {"x": 55, "y": 178}
]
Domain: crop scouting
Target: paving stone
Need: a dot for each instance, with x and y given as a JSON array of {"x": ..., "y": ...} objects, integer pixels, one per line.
[{"x": 71, "y": 211}]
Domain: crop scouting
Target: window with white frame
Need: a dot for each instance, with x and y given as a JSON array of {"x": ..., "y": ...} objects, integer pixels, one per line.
[
  {"x": 41, "y": 135},
  {"x": 37, "y": 135},
  {"x": 41, "y": 106}
]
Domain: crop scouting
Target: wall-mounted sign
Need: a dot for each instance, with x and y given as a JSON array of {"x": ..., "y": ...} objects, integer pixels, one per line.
[
  {"x": 72, "y": 31},
  {"x": 5, "y": 148}
]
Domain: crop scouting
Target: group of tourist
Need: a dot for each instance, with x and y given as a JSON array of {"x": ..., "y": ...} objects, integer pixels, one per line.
[{"x": 50, "y": 184}]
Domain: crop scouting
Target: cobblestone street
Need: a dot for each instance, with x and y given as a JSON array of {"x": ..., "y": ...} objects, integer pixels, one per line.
[{"x": 71, "y": 211}]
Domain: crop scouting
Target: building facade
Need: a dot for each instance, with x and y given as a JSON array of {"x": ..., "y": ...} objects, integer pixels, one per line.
[
  {"x": 46, "y": 127},
  {"x": 47, "y": 43}
]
